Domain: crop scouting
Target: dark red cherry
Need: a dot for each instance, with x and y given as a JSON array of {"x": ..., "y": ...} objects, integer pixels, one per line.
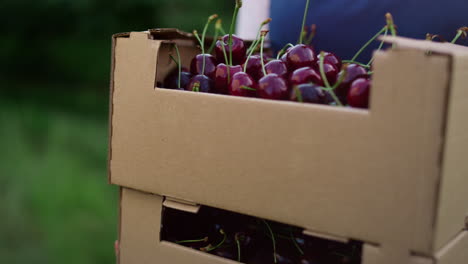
[
  {"x": 277, "y": 67},
  {"x": 281, "y": 259},
  {"x": 331, "y": 58},
  {"x": 272, "y": 86},
  {"x": 331, "y": 72},
  {"x": 308, "y": 93},
  {"x": 301, "y": 56},
  {"x": 172, "y": 80},
  {"x": 238, "y": 49},
  {"x": 358, "y": 95},
  {"x": 221, "y": 77},
  {"x": 254, "y": 67},
  {"x": 353, "y": 71},
  {"x": 205, "y": 84},
  {"x": 239, "y": 84},
  {"x": 196, "y": 66},
  {"x": 305, "y": 75}
]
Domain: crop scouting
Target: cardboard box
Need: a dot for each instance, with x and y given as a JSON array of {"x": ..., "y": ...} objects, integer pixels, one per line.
[
  {"x": 140, "y": 240},
  {"x": 394, "y": 175}
]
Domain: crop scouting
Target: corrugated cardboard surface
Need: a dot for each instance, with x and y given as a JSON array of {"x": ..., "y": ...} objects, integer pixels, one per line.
[
  {"x": 369, "y": 175},
  {"x": 140, "y": 240}
]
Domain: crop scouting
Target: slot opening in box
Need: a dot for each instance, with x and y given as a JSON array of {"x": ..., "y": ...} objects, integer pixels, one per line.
[{"x": 249, "y": 239}]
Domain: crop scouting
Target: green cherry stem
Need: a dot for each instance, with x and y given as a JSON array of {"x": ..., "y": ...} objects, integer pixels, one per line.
[
  {"x": 272, "y": 240},
  {"x": 380, "y": 47},
  {"x": 298, "y": 94},
  {"x": 368, "y": 43},
  {"x": 205, "y": 239},
  {"x": 295, "y": 243},
  {"x": 283, "y": 50},
  {"x": 313, "y": 31},
  {"x": 463, "y": 31},
  {"x": 231, "y": 29},
  {"x": 247, "y": 88},
  {"x": 252, "y": 47},
  {"x": 356, "y": 62},
  {"x": 325, "y": 80},
  {"x": 195, "y": 33},
  {"x": 202, "y": 41},
  {"x": 179, "y": 63},
  {"x": 220, "y": 243},
  {"x": 304, "y": 18},
  {"x": 238, "y": 250},
  {"x": 263, "y": 34},
  {"x": 216, "y": 36},
  {"x": 391, "y": 26}
]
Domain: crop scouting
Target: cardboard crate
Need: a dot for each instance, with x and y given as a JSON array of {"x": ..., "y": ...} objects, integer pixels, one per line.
[
  {"x": 140, "y": 222},
  {"x": 393, "y": 175}
]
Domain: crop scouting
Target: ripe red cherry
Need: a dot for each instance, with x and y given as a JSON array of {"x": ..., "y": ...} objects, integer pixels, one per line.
[
  {"x": 353, "y": 71},
  {"x": 308, "y": 93},
  {"x": 172, "y": 79},
  {"x": 277, "y": 67},
  {"x": 331, "y": 58},
  {"x": 305, "y": 75},
  {"x": 221, "y": 77},
  {"x": 238, "y": 49},
  {"x": 301, "y": 56},
  {"x": 239, "y": 81},
  {"x": 331, "y": 72},
  {"x": 272, "y": 86},
  {"x": 254, "y": 67},
  {"x": 196, "y": 66},
  {"x": 205, "y": 84},
  {"x": 358, "y": 95}
]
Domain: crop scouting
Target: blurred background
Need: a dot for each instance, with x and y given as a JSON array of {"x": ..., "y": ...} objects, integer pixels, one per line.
[{"x": 56, "y": 205}]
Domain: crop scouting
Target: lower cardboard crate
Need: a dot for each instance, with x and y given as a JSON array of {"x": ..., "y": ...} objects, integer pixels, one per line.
[{"x": 140, "y": 239}]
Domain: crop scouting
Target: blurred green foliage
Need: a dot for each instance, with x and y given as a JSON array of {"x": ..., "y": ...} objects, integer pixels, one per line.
[{"x": 55, "y": 59}]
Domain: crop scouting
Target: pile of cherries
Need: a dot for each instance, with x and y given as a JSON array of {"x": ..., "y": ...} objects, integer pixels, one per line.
[
  {"x": 297, "y": 73},
  {"x": 252, "y": 240}
]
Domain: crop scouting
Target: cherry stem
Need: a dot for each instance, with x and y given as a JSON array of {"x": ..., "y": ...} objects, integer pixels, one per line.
[
  {"x": 356, "y": 62},
  {"x": 325, "y": 80},
  {"x": 295, "y": 243},
  {"x": 380, "y": 47},
  {"x": 216, "y": 35},
  {"x": 205, "y": 239},
  {"x": 254, "y": 44},
  {"x": 368, "y": 43},
  {"x": 301, "y": 36},
  {"x": 272, "y": 240},
  {"x": 202, "y": 48},
  {"x": 247, "y": 88},
  {"x": 463, "y": 31},
  {"x": 238, "y": 250},
  {"x": 263, "y": 34},
  {"x": 179, "y": 64},
  {"x": 252, "y": 47},
  {"x": 196, "y": 87},
  {"x": 283, "y": 50},
  {"x": 298, "y": 94},
  {"x": 220, "y": 243},
  {"x": 391, "y": 26},
  {"x": 234, "y": 19},
  {"x": 313, "y": 30}
]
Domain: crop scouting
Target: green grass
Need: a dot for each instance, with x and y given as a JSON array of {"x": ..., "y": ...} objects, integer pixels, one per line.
[{"x": 56, "y": 204}]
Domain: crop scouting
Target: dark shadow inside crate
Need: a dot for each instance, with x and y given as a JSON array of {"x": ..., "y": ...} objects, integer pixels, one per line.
[{"x": 249, "y": 239}]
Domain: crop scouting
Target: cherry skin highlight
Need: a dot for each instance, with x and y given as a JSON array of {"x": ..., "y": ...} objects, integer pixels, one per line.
[
  {"x": 238, "y": 49},
  {"x": 196, "y": 65},
  {"x": 358, "y": 95},
  {"x": 353, "y": 71},
  {"x": 272, "y": 86},
  {"x": 238, "y": 85},
  {"x": 278, "y": 67},
  {"x": 305, "y": 75},
  {"x": 301, "y": 56},
  {"x": 221, "y": 77}
]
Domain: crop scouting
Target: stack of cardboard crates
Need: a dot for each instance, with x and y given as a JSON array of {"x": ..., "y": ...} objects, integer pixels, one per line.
[{"x": 394, "y": 177}]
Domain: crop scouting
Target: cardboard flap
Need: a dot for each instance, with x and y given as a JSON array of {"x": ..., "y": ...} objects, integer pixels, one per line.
[
  {"x": 444, "y": 48},
  {"x": 181, "y": 205},
  {"x": 169, "y": 33},
  {"x": 325, "y": 236}
]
